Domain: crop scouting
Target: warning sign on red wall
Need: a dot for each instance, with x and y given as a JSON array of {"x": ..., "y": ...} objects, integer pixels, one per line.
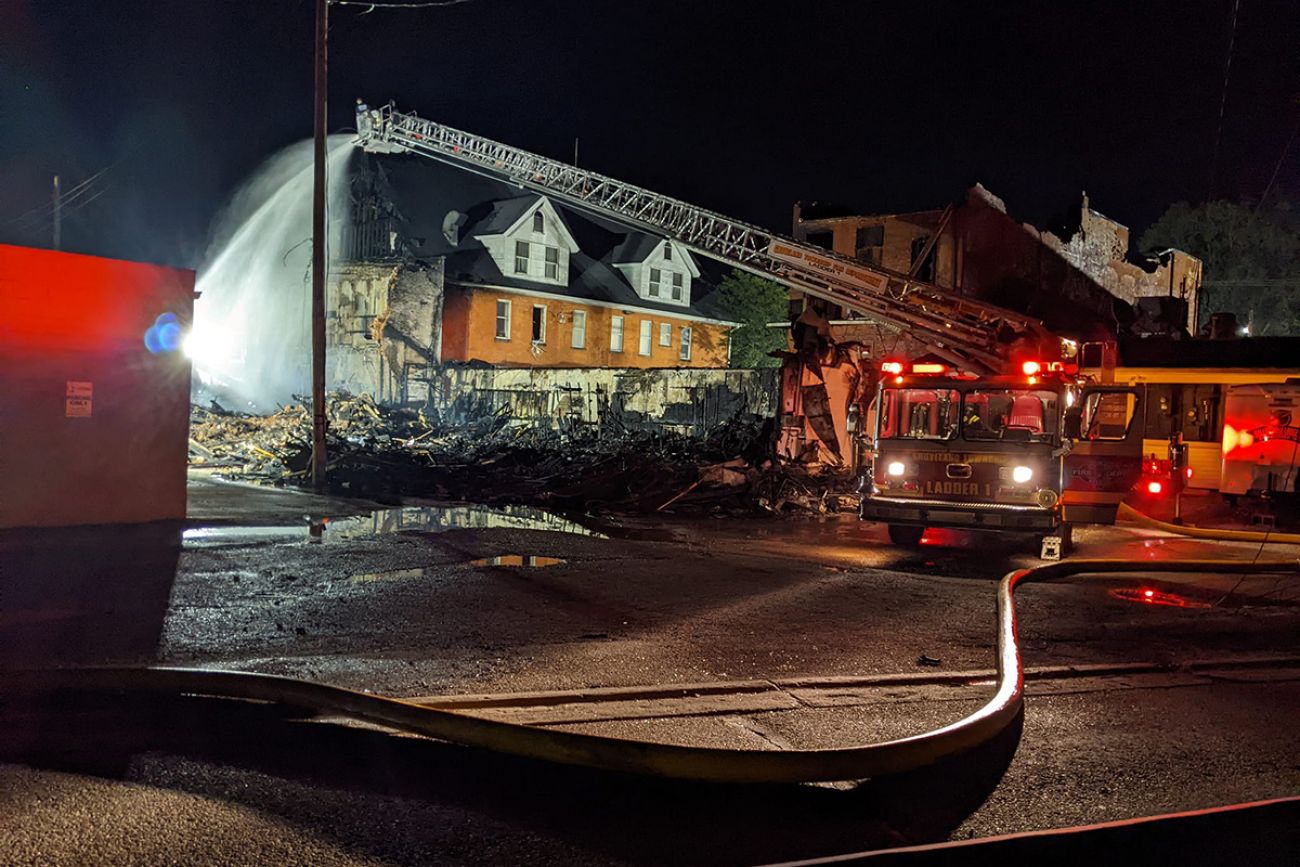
[{"x": 79, "y": 399}]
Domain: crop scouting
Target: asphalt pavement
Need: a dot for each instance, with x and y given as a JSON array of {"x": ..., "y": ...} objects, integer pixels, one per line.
[{"x": 437, "y": 600}]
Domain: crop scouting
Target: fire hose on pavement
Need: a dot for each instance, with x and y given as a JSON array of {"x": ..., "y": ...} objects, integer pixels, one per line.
[
  {"x": 1128, "y": 512},
  {"x": 703, "y": 764}
]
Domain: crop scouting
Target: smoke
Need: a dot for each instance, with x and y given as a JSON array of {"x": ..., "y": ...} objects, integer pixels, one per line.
[{"x": 251, "y": 338}]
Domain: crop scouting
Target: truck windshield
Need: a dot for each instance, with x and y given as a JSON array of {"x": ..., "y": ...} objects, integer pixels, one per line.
[
  {"x": 919, "y": 413},
  {"x": 988, "y": 414}
]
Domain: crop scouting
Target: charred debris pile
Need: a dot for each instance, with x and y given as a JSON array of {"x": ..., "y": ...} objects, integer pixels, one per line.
[{"x": 385, "y": 454}]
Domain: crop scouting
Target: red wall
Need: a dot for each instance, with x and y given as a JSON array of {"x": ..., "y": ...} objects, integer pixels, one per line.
[{"x": 66, "y": 320}]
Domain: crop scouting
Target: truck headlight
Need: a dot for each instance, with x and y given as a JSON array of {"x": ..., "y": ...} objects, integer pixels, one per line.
[
  {"x": 1020, "y": 475},
  {"x": 895, "y": 468}
]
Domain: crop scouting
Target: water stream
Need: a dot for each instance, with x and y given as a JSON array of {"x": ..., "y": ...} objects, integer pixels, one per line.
[{"x": 251, "y": 338}]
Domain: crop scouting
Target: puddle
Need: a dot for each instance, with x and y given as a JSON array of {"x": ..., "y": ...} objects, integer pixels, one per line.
[
  {"x": 426, "y": 518},
  {"x": 1155, "y": 597},
  {"x": 392, "y": 575},
  {"x": 530, "y": 561}
]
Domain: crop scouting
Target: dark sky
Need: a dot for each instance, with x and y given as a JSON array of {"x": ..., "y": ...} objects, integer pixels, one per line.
[{"x": 743, "y": 107}]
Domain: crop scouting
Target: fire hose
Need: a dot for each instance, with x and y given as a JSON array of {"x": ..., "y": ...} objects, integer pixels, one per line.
[
  {"x": 703, "y": 764},
  {"x": 1128, "y": 512}
]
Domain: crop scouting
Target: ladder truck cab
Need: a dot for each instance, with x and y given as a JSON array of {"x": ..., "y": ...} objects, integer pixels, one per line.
[{"x": 1037, "y": 451}]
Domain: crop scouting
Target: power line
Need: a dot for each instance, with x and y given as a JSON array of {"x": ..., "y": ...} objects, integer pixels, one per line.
[
  {"x": 41, "y": 211},
  {"x": 420, "y": 5},
  {"x": 1223, "y": 101}
]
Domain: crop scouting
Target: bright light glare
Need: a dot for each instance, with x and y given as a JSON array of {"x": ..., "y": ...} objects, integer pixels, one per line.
[
  {"x": 1154, "y": 487},
  {"x": 896, "y": 468},
  {"x": 1020, "y": 475},
  {"x": 1031, "y": 368}
]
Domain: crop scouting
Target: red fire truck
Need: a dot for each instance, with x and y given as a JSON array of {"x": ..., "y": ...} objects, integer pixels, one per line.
[{"x": 1036, "y": 451}]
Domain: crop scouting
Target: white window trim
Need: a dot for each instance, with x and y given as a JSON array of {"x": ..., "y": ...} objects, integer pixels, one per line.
[
  {"x": 665, "y": 334},
  {"x": 684, "y": 352},
  {"x": 527, "y": 257},
  {"x": 679, "y": 287},
  {"x": 656, "y": 280},
  {"x": 542, "y": 338},
  {"x": 578, "y": 339},
  {"x": 539, "y": 222},
  {"x": 613, "y": 321},
  {"x": 645, "y": 338},
  {"x": 509, "y": 310},
  {"x": 551, "y": 270}
]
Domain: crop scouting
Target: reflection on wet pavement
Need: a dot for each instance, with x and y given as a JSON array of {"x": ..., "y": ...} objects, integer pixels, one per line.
[
  {"x": 528, "y": 560},
  {"x": 426, "y": 518}
]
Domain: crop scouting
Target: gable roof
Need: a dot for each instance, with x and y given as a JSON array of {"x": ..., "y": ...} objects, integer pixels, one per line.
[{"x": 637, "y": 247}]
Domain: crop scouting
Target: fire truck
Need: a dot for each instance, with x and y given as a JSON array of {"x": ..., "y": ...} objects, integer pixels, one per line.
[
  {"x": 1047, "y": 451},
  {"x": 1037, "y": 450}
]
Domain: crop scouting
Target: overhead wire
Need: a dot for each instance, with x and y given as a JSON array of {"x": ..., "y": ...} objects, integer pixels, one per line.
[{"x": 1223, "y": 101}]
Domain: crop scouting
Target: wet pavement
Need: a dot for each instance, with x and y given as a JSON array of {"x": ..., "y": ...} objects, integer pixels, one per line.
[{"x": 439, "y": 599}]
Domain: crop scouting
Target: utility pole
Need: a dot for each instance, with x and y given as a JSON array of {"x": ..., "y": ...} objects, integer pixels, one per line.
[
  {"x": 318, "y": 263},
  {"x": 58, "y": 213}
]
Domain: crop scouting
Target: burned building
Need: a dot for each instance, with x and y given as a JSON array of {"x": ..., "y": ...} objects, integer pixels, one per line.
[
  {"x": 1085, "y": 286},
  {"x": 445, "y": 267}
]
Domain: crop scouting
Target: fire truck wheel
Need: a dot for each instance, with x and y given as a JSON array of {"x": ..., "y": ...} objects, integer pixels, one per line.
[{"x": 905, "y": 535}]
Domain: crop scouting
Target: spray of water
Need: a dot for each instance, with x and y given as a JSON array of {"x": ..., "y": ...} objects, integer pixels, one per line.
[{"x": 251, "y": 339}]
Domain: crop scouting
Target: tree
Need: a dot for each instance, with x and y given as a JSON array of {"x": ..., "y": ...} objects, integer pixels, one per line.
[
  {"x": 754, "y": 302},
  {"x": 1252, "y": 260}
]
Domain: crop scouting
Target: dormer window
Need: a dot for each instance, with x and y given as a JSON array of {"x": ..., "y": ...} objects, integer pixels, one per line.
[
  {"x": 552, "y": 263},
  {"x": 668, "y": 252},
  {"x": 677, "y": 287},
  {"x": 539, "y": 222},
  {"x": 656, "y": 277},
  {"x": 521, "y": 257}
]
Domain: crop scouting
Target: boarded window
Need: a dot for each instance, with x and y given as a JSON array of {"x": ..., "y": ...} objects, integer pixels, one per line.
[
  {"x": 579, "y": 340},
  {"x": 503, "y": 319},
  {"x": 521, "y": 257},
  {"x": 616, "y": 334}
]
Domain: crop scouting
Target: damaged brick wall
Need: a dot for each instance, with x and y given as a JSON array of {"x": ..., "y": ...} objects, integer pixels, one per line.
[
  {"x": 687, "y": 401},
  {"x": 383, "y": 324}
]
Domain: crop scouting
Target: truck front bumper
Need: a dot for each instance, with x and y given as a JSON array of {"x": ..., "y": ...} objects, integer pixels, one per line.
[{"x": 977, "y": 516}]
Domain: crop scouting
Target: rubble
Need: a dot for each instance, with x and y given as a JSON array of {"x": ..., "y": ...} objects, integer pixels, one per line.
[{"x": 387, "y": 454}]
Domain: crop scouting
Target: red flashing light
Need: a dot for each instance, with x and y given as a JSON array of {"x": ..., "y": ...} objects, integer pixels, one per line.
[
  {"x": 1148, "y": 593},
  {"x": 1154, "y": 487},
  {"x": 1031, "y": 368},
  {"x": 894, "y": 367},
  {"x": 929, "y": 368},
  {"x": 1189, "y": 472}
]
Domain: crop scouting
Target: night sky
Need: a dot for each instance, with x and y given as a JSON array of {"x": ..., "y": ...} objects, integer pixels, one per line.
[{"x": 742, "y": 107}]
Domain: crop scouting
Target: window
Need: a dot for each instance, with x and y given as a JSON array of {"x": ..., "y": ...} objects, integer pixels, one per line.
[
  {"x": 552, "y": 263},
  {"x": 668, "y": 252},
  {"x": 995, "y": 414},
  {"x": 655, "y": 277},
  {"x": 1108, "y": 415},
  {"x": 539, "y": 323},
  {"x": 926, "y": 271},
  {"x": 677, "y": 287},
  {"x": 825, "y": 240},
  {"x": 579, "y": 340},
  {"x": 539, "y": 222},
  {"x": 503, "y": 319},
  {"x": 870, "y": 241},
  {"x": 919, "y": 413},
  {"x": 646, "y": 336},
  {"x": 665, "y": 334},
  {"x": 521, "y": 257},
  {"x": 685, "y": 353},
  {"x": 616, "y": 334}
]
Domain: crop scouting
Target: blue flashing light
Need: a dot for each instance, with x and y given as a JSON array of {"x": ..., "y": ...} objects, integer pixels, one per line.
[{"x": 164, "y": 335}]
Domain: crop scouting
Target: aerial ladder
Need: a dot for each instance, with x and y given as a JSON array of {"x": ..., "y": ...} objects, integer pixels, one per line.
[{"x": 965, "y": 332}]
